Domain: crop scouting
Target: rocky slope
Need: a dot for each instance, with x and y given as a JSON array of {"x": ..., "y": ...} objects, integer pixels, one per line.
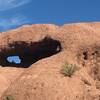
[{"x": 44, "y": 49}]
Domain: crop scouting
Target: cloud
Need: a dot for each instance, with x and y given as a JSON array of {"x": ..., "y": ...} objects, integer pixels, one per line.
[
  {"x": 9, "y": 4},
  {"x": 10, "y": 23}
]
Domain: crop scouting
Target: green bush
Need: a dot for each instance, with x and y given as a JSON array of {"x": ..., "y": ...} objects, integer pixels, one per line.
[
  {"x": 68, "y": 69},
  {"x": 9, "y": 97}
]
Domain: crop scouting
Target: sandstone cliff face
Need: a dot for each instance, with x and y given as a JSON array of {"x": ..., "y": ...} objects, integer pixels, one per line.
[{"x": 43, "y": 50}]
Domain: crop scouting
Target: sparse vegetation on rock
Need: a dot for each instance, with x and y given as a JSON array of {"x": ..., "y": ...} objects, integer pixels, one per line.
[
  {"x": 9, "y": 97},
  {"x": 68, "y": 69}
]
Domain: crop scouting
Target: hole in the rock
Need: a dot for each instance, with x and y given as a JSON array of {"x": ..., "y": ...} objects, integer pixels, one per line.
[
  {"x": 85, "y": 55},
  {"x": 14, "y": 59},
  {"x": 28, "y": 53}
]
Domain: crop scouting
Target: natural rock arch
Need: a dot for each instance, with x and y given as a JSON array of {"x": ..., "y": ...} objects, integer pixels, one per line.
[{"x": 29, "y": 53}]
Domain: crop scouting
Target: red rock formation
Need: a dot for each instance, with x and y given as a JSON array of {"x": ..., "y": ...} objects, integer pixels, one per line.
[{"x": 73, "y": 43}]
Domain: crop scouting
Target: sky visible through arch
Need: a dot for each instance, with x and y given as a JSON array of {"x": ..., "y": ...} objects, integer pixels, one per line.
[{"x": 15, "y": 13}]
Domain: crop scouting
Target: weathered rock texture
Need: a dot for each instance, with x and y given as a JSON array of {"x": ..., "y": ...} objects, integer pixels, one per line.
[{"x": 43, "y": 50}]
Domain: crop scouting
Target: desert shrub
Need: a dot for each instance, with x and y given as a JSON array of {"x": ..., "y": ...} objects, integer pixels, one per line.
[
  {"x": 68, "y": 69},
  {"x": 9, "y": 97}
]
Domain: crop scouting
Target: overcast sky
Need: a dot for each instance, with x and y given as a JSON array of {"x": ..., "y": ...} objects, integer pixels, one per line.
[{"x": 14, "y": 13}]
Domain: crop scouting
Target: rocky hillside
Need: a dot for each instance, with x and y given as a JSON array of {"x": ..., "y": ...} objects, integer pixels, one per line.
[{"x": 57, "y": 62}]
